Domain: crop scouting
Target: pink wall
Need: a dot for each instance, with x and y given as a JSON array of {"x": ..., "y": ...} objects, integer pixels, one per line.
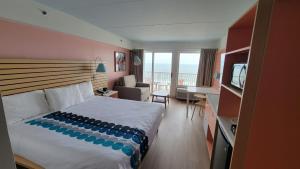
[{"x": 18, "y": 40}]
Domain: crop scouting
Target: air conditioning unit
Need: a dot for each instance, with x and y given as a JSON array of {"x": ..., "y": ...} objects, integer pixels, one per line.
[{"x": 181, "y": 93}]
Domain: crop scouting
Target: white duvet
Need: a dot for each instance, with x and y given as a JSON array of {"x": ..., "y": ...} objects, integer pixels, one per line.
[{"x": 53, "y": 150}]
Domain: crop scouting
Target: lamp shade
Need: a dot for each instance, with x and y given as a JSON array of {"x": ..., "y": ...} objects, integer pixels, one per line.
[
  {"x": 137, "y": 61},
  {"x": 100, "y": 68}
]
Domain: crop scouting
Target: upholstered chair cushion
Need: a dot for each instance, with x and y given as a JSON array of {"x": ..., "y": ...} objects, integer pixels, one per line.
[
  {"x": 145, "y": 93},
  {"x": 129, "y": 81}
]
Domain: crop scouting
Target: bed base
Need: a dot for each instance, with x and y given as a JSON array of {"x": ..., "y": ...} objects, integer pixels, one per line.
[{"x": 23, "y": 162}]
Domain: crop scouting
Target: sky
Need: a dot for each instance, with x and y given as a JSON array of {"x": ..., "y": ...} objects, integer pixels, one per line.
[{"x": 166, "y": 58}]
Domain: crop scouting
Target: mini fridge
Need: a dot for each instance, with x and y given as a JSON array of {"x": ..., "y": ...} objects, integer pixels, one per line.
[{"x": 222, "y": 152}]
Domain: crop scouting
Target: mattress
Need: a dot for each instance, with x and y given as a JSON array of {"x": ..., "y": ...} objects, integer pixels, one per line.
[{"x": 53, "y": 150}]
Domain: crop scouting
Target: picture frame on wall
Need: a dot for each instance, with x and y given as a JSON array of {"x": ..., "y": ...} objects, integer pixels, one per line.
[{"x": 120, "y": 61}]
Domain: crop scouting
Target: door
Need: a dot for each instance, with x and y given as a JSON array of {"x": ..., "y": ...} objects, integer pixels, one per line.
[
  {"x": 158, "y": 70},
  {"x": 162, "y": 71},
  {"x": 188, "y": 69},
  {"x": 167, "y": 71},
  {"x": 222, "y": 152}
]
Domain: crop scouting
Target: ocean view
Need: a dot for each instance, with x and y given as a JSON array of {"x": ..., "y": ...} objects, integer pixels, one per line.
[
  {"x": 187, "y": 73},
  {"x": 162, "y": 74},
  {"x": 184, "y": 68}
]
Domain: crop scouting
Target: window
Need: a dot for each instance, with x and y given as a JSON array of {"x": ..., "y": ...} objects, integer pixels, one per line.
[
  {"x": 162, "y": 71},
  {"x": 188, "y": 69},
  {"x": 157, "y": 70}
]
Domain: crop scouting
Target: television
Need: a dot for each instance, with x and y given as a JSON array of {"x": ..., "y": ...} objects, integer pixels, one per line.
[{"x": 238, "y": 77}]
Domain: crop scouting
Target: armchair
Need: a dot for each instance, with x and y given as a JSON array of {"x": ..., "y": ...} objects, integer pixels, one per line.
[{"x": 129, "y": 89}]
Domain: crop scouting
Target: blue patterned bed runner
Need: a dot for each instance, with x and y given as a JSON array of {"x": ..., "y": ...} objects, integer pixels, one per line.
[{"x": 131, "y": 141}]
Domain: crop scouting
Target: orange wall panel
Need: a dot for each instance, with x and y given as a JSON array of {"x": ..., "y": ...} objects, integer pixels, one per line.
[{"x": 274, "y": 136}]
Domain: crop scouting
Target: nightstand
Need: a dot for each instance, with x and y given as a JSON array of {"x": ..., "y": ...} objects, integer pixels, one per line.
[{"x": 111, "y": 93}]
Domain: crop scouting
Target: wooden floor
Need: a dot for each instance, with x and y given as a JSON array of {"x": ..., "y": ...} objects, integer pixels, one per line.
[{"x": 180, "y": 142}]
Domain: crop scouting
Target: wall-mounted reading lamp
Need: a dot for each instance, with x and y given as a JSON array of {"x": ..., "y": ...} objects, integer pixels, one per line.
[
  {"x": 137, "y": 61},
  {"x": 100, "y": 67}
]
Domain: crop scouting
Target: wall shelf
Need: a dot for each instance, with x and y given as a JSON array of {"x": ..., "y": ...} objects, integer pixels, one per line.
[
  {"x": 241, "y": 50},
  {"x": 260, "y": 107},
  {"x": 234, "y": 91}
]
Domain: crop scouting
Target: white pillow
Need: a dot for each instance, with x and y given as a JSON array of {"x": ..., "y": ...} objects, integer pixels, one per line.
[
  {"x": 25, "y": 105},
  {"x": 63, "y": 97},
  {"x": 86, "y": 89}
]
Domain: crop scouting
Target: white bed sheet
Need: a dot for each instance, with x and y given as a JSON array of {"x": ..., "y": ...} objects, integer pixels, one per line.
[{"x": 56, "y": 151}]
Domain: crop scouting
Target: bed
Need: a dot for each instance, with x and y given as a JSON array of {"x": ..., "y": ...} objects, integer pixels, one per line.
[
  {"x": 53, "y": 150},
  {"x": 33, "y": 89}
]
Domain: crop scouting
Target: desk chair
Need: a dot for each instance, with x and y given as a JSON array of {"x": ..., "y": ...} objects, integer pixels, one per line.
[{"x": 201, "y": 103}]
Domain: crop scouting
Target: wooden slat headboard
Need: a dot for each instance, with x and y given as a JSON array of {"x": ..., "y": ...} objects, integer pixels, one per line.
[{"x": 24, "y": 75}]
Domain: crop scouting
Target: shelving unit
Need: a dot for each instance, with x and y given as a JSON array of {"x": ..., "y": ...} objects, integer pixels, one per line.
[
  {"x": 267, "y": 134},
  {"x": 210, "y": 117},
  {"x": 237, "y": 92},
  {"x": 237, "y": 51}
]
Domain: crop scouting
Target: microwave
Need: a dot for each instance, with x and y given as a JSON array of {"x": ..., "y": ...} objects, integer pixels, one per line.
[{"x": 238, "y": 77}]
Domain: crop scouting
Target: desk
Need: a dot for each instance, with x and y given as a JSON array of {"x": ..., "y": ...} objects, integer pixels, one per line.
[{"x": 194, "y": 90}]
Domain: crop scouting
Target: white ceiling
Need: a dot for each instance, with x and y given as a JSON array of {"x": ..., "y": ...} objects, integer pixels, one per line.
[{"x": 157, "y": 20}]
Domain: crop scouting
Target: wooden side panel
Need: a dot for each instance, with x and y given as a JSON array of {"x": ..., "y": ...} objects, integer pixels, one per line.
[
  {"x": 26, "y": 163},
  {"x": 274, "y": 137},
  {"x": 24, "y": 75},
  {"x": 212, "y": 119}
]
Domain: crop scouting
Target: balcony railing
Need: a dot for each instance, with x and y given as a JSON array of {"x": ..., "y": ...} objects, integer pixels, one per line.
[
  {"x": 187, "y": 79},
  {"x": 162, "y": 80}
]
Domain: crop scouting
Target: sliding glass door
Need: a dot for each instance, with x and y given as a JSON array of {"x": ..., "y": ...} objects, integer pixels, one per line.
[
  {"x": 157, "y": 70},
  {"x": 162, "y": 71},
  {"x": 160, "y": 66},
  {"x": 188, "y": 69}
]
